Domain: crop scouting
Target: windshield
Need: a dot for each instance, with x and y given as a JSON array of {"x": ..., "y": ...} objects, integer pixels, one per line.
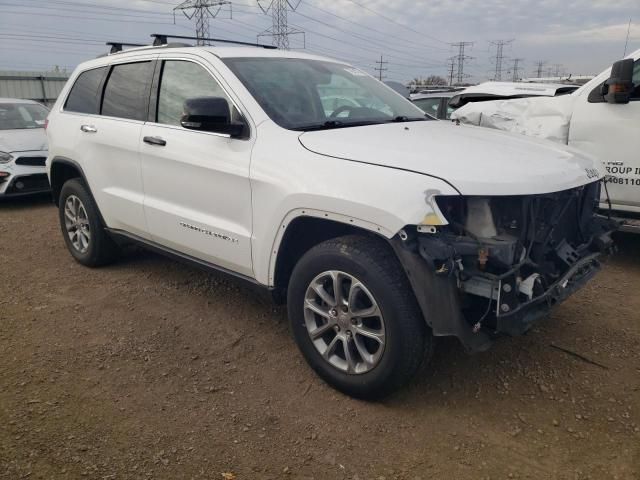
[
  {"x": 302, "y": 94},
  {"x": 14, "y": 116}
]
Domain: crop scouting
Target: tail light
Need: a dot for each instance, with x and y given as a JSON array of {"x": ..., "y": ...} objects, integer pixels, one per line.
[{"x": 46, "y": 123}]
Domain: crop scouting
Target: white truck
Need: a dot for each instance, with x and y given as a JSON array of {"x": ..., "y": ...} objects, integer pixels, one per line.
[
  {"x": 602, "y": 118},
  {"x": 380, "y": 227}
]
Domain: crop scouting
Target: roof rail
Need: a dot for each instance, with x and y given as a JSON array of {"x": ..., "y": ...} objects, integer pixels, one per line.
[
  {"x": 162, "y": 39},
  {"x": 117, "y": 46}
]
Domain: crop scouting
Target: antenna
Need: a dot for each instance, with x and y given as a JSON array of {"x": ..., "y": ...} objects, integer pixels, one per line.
[
  {"x": 201, "y": 10},
  {"x": 280, "y": 31},
  {"x": 380, "y": 68}
]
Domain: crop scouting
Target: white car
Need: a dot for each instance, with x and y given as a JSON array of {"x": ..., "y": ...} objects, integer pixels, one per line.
[
  {"x": 380, "y": 227},
  {"x": 23, "y": 147}
]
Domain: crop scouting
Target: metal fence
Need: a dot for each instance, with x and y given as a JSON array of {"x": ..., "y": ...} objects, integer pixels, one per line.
[{"x": 43, "y": 87}]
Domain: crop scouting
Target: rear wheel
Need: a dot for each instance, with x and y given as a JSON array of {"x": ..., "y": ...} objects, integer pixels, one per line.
[
  {"x": 82, "y": 228},
  {"x": 354, "y": 316}
]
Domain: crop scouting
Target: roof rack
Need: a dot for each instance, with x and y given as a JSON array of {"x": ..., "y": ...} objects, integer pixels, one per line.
[
  {"x": 162, "y": 39},
  {"x": 117, "y": 46}
]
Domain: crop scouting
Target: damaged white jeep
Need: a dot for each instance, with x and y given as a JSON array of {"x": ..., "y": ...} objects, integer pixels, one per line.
[{"x": 381, "y": 228}]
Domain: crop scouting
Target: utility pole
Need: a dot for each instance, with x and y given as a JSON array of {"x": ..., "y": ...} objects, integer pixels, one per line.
[
  {"x": 516, "y": 69},
  {"x": 500, "y": 44},
  {"x": 626, "y": 43},
  {"x": 461, "y": 58},
  {"x": 539, "y": 65},
  {"x": 202, "y": 10},
  {"x": 380, "y": 68},
  {"x": 452, "y": 64},
  {"x": 279, "y": 31}
]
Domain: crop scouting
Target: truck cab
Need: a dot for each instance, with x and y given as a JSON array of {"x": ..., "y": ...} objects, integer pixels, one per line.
[{"x": 607, "y": 125}]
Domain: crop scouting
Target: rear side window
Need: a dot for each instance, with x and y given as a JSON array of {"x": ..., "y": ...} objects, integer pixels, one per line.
[
  {"x": 85, "y": 93},
  {"x": 126, "y": 94}
]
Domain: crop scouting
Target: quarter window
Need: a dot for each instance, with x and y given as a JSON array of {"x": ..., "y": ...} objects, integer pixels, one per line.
[
  {"x": 180, "y": 81},
  {"x": 127, "y": 92},
  {"x": 85, "y": 93}
]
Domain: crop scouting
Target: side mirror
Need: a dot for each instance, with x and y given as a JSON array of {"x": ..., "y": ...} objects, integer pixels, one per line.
[
  {"x": 210, "y": 114},
  {"x": 620, "y": 84}
]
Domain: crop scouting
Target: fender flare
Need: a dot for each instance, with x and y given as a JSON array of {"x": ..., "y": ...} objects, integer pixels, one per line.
[{"x": 323, "y": 215}]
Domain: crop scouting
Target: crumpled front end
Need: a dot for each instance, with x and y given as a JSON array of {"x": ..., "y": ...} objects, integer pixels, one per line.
[{"x": 503, "y": 262}]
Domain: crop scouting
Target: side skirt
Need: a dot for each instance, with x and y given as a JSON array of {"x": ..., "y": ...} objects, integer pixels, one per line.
[{"x": 121, "y": 237}]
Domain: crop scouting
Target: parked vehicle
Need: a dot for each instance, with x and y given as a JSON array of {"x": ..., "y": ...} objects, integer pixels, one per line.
[
  {"x": 601, "y": 118},
  {"x": 23, "y": 147},
  {"x": 435, "y": 104},
  {"x": 380, "y": 227},
  {"x": 443, "y": 103}
]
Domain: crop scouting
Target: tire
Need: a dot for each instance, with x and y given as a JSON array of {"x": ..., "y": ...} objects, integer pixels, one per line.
[
  {"x": 386, "y": 350},
  {"x": 90, "y": 245}
]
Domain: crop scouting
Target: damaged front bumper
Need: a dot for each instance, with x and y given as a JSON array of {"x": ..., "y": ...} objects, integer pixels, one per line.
[{"x": 479, "y": 281}]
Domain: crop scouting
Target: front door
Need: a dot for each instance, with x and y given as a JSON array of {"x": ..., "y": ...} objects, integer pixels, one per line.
[
  {"x": 611, "y": 133},
  {"x": 197, "y": 192}
]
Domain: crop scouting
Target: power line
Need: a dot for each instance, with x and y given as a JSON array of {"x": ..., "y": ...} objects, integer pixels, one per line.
[
  {"x": 499, "y": 44},
  {"x": 201, "y": 10},
  {"x": 380, "y": 67},
  {"x": 461, "y": 58},
  {"x": 452, "y": 64},
  {"x": 280, "y": 31}
]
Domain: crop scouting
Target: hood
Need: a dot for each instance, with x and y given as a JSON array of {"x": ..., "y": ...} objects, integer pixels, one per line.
[
  {"x": 23, "y": 140},
  {"x": 475, "y": 160}
]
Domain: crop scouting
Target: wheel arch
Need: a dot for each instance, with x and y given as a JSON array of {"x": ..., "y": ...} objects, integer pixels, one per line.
[
  {"x": 303, "y": 229},
  {"x": 61, "y": 170}
]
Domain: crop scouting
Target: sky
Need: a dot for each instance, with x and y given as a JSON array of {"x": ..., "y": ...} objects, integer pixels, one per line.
[{"x": 578, "y": 37}]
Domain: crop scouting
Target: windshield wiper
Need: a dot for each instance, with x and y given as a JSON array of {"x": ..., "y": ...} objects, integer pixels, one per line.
[
  {"x": 329, "y": 124},
  {"x": 404, "y": 118}
]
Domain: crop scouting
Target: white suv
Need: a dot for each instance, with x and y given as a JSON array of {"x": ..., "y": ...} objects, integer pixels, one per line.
[{"x": 380, "y": 227}]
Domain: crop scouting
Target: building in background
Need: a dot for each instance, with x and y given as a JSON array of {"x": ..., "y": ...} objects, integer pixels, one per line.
[{"x": 43, "y": 87}]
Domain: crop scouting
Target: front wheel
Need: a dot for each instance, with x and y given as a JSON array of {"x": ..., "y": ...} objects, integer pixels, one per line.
[{"x": 354, "y": 316}]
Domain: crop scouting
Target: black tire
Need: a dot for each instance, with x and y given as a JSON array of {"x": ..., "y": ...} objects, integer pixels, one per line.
[
  {"x": 101, "y": 249},
  {"x": 408, "y": 340}
]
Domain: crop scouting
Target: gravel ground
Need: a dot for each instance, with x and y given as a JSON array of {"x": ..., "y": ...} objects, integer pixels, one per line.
[{"x": 152, "y": 369}]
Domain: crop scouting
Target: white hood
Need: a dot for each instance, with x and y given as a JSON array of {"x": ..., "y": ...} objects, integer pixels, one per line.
[
  {"x": 476, "y": 161},
  {"x": 23, "y": 140}
]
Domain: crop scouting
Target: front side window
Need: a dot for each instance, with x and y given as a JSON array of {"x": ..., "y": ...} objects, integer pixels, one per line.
[
  {"x": 301, "y": 94},
  {"x": 126, "y": 94},
  {"x": 85, "y": 93},
  {"x": 20, "y": 116},
  {"x": 180, "y": 81}
]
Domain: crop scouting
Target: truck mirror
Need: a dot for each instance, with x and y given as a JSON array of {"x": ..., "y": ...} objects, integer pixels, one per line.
[{"x": 620, "y": 84}]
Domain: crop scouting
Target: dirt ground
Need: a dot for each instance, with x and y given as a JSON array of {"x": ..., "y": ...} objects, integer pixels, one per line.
[{"x": 152, "y": 369}]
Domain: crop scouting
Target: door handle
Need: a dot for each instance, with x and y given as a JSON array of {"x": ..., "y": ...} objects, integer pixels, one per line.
[
  {"x": 161, "y": 142},
  {"x": 88, "y": 129}
]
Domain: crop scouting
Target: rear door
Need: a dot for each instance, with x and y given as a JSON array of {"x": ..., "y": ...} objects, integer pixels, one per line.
[
  {"x": 197, "y": 191},
  {"x": 611, "y": 132}
]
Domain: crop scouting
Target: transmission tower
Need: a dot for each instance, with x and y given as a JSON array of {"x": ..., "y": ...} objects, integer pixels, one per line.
[
  {"x": 202, "y": 10},
  {"x": 539, "y": 65},
  {"x": 500, "y": 44},
  {"x": 380, "y": 68},
  {"x": 460, "y": 59},
  {"x": 515, "y": 71},
  {"x": 557, "y": 70},
  {"x": 451, "y": 66},
  {"x": 280, "y": 31}
]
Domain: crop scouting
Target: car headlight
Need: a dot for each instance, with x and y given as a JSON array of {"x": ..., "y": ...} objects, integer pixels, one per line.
[{"x": 5, "y": 157}]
